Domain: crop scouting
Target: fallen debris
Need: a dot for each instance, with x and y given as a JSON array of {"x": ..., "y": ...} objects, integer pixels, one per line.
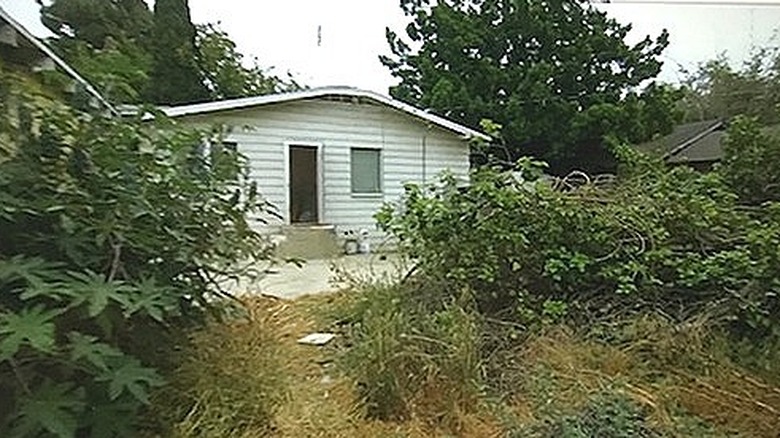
[{"x": 317, "y": 338}]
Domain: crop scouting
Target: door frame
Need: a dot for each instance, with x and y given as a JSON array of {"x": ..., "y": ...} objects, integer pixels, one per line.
[{"x": 320, "y": 179}]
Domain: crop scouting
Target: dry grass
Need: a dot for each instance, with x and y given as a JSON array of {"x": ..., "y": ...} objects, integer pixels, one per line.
[
  {"x": 324, "y": 403},
  {"x": 668, "y": 369},
  {"x": 252, "y": 379},
  {"x": 230, "y": 379}
]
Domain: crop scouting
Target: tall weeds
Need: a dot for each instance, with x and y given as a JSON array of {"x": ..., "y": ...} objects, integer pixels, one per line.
[
  {"x": 409, "y": 355},
  {"x": 230, "y": 382}
]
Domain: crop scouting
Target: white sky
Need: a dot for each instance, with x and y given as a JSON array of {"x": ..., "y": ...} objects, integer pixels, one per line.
[{"x": 283, "y": 33}]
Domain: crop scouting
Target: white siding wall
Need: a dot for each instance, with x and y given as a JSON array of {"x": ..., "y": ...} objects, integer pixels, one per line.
[{"x": 406, "y": 143}]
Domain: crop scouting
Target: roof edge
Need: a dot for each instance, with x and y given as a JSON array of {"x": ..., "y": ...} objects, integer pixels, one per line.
[
  {"x": 40, "y": 45},
  {"x": 249, "y": 102},
  {"x": 691, "y": 141}
]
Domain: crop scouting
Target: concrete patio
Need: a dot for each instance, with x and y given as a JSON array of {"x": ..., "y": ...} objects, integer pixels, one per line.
[{"x": 324, "y": 275}]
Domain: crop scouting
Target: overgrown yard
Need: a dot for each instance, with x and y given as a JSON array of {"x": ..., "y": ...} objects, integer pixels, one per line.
[
  {"x": 643, "y": 305},
  {"x": 251, "y": 378}
]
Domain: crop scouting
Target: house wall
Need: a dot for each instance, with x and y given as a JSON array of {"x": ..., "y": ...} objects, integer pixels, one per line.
[{"x": 411, "y": 150}]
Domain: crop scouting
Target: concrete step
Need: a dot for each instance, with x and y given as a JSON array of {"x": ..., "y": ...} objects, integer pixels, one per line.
[{"x": 309, "y": 242}]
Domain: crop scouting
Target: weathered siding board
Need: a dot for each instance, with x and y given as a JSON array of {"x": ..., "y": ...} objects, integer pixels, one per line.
[{"x": 410, "y": 148}]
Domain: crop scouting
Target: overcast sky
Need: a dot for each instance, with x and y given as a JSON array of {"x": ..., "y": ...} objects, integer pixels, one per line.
[{"x": 283, "y": 33}]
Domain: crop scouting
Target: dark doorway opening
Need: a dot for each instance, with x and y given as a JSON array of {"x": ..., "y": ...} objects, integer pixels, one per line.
[{"x": 304, "y": 205}]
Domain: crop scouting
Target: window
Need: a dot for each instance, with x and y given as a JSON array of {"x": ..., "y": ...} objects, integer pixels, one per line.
[{"x": 366, "y": 170}]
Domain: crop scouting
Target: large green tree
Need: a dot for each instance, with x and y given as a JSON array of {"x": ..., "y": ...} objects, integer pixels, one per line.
[
  {"x": 174, "y": 77},
  {"x": 104, "y": 40},
  {"x": 557, "y": 75}
]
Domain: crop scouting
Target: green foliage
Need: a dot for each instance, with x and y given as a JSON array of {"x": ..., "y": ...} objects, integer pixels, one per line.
[
  {"x": 134, "y": 56},
  {"x": 557, "y": 75},
  {"x": 105, "y": 41},
  {"x": 113, "y": 235},
  {"x": 31, "y": 327},
  {"x": 718, "y": 91},
  {"x": 119, "y": 69},
  {"x": 223, "y": 68},
  {"x": 606, "y": 415},
  {"x": 531, "y": 248},
  {"x": 174, "y": 77},
  {"x": 97, "y": 22},
  {"x": 668, "y": 276},
  {"x": 750, "y": 157},
  {"x": 51, "y": 408}
]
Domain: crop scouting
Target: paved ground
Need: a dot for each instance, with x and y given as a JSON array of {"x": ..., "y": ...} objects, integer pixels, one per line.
[{"x": 317, "y": 276}]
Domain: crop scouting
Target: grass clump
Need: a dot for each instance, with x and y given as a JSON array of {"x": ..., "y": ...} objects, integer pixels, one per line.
[
  {"x": 413, "y": 359},
  {"x": 409, "y": 356},
  {"x": 406, "y": 366},
  {"x": 230, "y": 382}
]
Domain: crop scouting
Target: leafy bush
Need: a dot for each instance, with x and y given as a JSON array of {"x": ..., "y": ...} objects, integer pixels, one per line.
[
  {"x": 750, "y": 162},
  {"x": 514, "y": 250},
  {"x": 112, "y": 237},
  {"x": 606, "y": 415},
  {"x": 669, "y": 278},
  {"x": 532, "y": 249}
]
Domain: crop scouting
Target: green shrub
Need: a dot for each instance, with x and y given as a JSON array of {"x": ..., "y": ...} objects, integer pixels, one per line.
[
  {"x": 112, "y": 236},
  {"x": 606, "y": 415},
  {"x": 750, "y": 162},
  {"x": 532, "y": 249}
]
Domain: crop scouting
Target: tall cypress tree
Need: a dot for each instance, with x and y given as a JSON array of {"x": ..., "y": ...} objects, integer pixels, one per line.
[
  {"x": 94, "y": 21},
  {"x": 175, "y": 77}
]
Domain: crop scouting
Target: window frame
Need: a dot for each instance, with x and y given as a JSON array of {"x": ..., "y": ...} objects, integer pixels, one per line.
[{"x": 379, "y": 174}]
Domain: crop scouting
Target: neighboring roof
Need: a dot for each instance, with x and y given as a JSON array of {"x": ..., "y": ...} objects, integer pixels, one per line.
[
  {"x": 47, "y": 52},
  {"x": 249, "y": 102},
  {"x": 706, "y": 148},
  {"x": 688, "y": 143}
]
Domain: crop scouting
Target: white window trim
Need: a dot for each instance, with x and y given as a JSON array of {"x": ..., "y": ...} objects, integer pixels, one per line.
[{"x": 369, "y": 195}]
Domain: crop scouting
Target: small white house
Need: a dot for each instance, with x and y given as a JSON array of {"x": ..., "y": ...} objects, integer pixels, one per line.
[{"x": 332, "y": 156}]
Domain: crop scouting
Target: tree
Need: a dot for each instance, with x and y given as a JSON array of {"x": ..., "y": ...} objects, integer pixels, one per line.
[
  {"x": 119, "y": 69},
  {"x": 111, "y": 44},
  {"x": 717, "y": 90},
  {"x": 222, "y": 66},
  {"x": 557, "y": 75},
  {"x": 95, "y": 21},
  {"x": 105, "y": 41},
  {"x": 174, "y": 77},
  {"x": 751, "y": 161}
]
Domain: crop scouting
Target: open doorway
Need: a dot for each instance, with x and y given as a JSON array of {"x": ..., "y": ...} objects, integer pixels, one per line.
[{"x": 304, "y": 190}]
